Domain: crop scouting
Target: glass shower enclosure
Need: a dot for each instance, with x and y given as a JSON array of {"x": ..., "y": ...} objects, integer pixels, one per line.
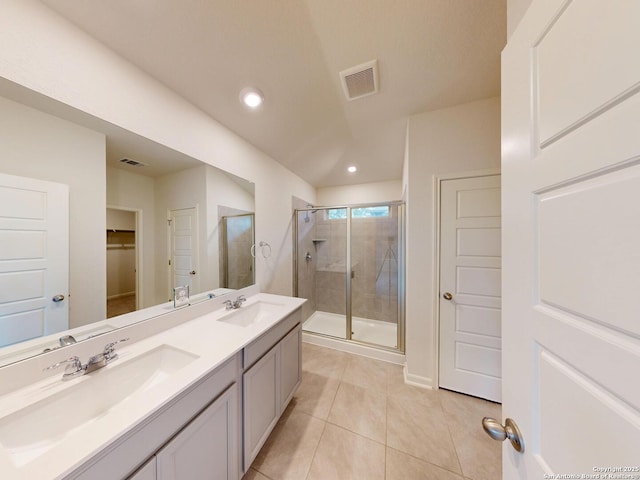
[{"x": 349, "y": 265}]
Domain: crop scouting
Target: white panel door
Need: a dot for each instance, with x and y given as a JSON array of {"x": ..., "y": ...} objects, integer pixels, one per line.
[
  {"x": 183, "y": 228},
  {"x": 470, "y": 290},
  {"x": 34, "y": 258},
  {"x": 571, "y": 239}
]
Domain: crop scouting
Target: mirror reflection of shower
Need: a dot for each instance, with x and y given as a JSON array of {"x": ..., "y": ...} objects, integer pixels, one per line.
[{"x": 349, "y": 262}]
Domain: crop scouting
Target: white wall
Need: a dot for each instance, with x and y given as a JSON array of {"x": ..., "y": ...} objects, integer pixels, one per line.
[
  {"x": 458, "y": 139},
  {"x": 45, "y": 53},
  {"x": 361, "y": 193},
  {"x": 36, "y": 145},
  {"x": 131, "y": 190}
]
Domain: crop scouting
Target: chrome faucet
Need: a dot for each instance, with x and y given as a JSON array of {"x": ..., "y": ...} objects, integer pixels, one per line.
[
  {"x": 237, "y": 303},
  {"x": 64, "y": 341},
  {"x": 75, "y": 368}
]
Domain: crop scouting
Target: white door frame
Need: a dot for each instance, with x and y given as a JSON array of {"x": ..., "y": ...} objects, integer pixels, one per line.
[
  {"x": 139, "y": 251},
  {"x": 437, "y": 185}
]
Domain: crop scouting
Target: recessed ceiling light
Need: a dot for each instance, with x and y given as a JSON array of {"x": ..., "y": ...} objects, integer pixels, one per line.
[
  {"x": 352, "y": 169},
  {"x": 251, "y": 97}
]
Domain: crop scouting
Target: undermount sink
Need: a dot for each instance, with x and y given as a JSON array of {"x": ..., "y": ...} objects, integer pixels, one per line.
[
  {"x": 252, "y": 313},
  {"x": 33, "y": 430}
]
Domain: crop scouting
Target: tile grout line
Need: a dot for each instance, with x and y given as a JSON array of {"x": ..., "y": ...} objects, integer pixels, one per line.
[
  {"x": 324, "y": 426},
  {"x": 455, "y": 447}
]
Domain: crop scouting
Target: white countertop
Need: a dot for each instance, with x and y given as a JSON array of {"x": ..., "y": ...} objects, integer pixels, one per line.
[{"x": 212, "y": 341}]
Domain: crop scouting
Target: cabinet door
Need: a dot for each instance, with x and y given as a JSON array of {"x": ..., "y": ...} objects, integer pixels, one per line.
[
  {"x": 261, "y": 403},
  {"x": 205, "y": 449},
  {"x": 290, "y": 366},
  {"x": 146, "y": 472}
]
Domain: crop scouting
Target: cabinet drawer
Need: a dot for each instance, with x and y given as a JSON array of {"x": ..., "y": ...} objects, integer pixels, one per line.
[{"x": 264, "y": 343}]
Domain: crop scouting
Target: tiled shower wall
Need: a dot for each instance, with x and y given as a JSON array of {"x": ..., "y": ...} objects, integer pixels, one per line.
[{"x": 374, "y": 261}]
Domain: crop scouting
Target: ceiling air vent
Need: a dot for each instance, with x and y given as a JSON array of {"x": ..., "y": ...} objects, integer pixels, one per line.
[
  {"x": 132, "y": 162},
  {"x": 361, "y": 80}
]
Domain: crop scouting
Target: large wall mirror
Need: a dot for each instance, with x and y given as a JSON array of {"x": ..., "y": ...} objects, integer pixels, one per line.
[{"x": 99, "y": 225}]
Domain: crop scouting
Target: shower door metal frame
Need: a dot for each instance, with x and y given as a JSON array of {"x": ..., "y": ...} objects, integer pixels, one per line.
[{"x": 400, "y": 330}]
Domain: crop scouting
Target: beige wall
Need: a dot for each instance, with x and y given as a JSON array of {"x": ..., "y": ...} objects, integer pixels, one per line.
[
  {"x": 37, "y": 145},
  {"x": 360, "y": 193},
  {"x": 180, "y": 190},
  {"x": 515, "y": 11},
  {"x": 222, "y": 191},
  {"x": 459, "y": 139},
  {"x": 133, "y": 191}
]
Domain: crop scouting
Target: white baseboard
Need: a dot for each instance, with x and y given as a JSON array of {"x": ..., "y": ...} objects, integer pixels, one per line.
[{"x": 418, "y": 381}]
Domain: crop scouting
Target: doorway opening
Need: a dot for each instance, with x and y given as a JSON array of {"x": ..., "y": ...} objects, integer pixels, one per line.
[{"x": 123, "y": 254}]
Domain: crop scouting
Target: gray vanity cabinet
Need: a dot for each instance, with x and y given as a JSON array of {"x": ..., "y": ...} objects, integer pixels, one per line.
[
  {"x": 207, "y": 412},
  {"x": 207, "y": 448},
  {"x": 146, "y": 472},
  {"x": 201, "y": 433},
  {"x": 270, "y": 382}
]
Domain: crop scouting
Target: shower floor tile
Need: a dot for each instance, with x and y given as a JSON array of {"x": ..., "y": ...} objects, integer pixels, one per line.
[{"x": 364, "y": 330}]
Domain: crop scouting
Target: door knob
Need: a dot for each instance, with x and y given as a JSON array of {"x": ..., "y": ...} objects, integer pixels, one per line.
[
  {"x": 192, "y": 272},
  {"x": 447, "y": 296},
  {"x": 58, "y": 298},
  {"x": 498, "y": 432}
]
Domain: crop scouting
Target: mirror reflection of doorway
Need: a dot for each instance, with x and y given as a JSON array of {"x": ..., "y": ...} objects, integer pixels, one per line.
[
  {"x": 122, "y": 282},
  {"x": 237, "y": 242}
]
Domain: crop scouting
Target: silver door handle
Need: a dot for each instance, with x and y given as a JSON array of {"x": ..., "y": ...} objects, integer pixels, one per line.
[
  {"x": 192, "y": 272},
  {"x": 447, "y": 296},
  {"x": 58, "y": 298},
  {"x": 498, "y": 432}
]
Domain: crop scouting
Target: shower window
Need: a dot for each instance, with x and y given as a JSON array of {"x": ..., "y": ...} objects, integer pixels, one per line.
[{"x": 363, "y": 212}]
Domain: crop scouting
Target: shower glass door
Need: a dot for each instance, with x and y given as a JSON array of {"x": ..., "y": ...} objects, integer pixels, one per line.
[
  {"x": 350, "y": 268},
  {"x": 237, "y": 262},
  {"x": 375, "y": 271},
  {"x": 321, "y": 266}
]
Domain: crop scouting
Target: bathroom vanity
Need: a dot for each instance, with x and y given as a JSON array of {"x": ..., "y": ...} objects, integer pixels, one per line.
[{"x": 196, "y": 399}]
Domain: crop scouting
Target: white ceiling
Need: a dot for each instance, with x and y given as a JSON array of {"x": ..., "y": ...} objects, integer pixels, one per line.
[{"x": 431, "y": 54}]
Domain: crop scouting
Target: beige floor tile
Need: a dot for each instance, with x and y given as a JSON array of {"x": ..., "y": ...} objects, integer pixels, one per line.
[
  {"x": 420, "y": 430},
  {"x": 401, "y": 466},
  {"x": 395, "y": 377},
  {"x": 332, "y": 429},
  {"x": 480, "y": 456},
  {"x": 254, "y": 475},
  {"x": 315, "y": 394},
  {"x": 288, "y": 452},
  {"x": 360, "y": 410},
  {"x": 343, "y": 455},
  {"x": 324, "y": 361},
  {"x": 366, "y": 372}
]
